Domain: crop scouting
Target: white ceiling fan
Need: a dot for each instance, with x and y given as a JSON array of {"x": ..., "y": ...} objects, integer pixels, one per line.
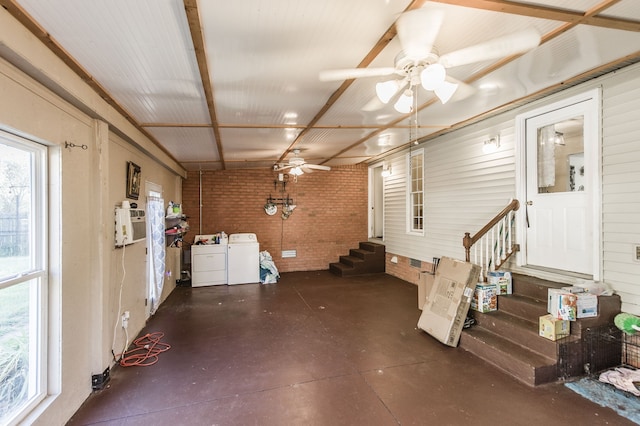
[
  {"x": 418, "y": 64},
  {"x": 298, "y": 166}
]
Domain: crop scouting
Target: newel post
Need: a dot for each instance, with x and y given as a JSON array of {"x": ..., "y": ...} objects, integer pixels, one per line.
[{"x": 466, "y": 242}]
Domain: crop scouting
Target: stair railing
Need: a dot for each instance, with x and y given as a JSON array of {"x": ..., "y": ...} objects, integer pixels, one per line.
[{"x": 493, "y": 245}]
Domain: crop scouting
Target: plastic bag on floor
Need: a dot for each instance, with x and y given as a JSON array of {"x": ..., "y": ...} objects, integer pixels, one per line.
[{"x": 268, "y": 271}]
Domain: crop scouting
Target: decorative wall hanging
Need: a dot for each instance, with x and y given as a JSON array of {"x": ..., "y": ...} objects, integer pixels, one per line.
[{"x": 133, "y": 180}]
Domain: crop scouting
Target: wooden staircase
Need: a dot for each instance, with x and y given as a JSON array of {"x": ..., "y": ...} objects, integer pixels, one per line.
[
  {"x": 508, "y": 338},
  {"x": 369, "y": 258}
]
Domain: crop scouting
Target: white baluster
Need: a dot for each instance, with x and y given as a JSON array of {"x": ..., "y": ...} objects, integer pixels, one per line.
[
  {"x": 503, "y": 247},
  {"x": 475, "y": 254},
  {"x": 509, "y": 245},
  {"x": 486, "y": 257},
  {"x": 493, "y": 248},
  {"x": 481, "y": 263}
]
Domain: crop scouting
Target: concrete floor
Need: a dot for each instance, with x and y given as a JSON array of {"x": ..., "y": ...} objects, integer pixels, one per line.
[{"x": 316, "y": 349}]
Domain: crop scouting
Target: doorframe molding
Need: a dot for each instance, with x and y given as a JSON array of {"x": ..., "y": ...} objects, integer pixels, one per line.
[
  {"x": 592, "y": 127},
  {"x": 374, "y": 173}
]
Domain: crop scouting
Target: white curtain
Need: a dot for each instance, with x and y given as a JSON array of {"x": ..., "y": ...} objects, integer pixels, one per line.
[
  {"x": 546, "y": 157},
  {"x": 157, "y": 251}
]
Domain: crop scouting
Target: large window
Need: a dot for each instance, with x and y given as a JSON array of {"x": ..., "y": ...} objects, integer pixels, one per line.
[
  {"x": 23, "y": 276},
  {"x": 415, "y": 191}
]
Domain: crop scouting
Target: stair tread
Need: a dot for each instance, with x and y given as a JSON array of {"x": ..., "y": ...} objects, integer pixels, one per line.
[
  {"x": 352, "y": 258},
  {"x": 528, "y": 325},
  {"x": 525, "y": 299},
  {"x": 516, "y": 351},
  {"x": 536, "y": 281},
  {"x": 372, "y": 247},
  {"x": 362, "y": 252}
]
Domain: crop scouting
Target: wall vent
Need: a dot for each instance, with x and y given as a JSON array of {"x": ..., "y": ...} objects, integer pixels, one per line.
[
  {"x": 289, "y": 253},
  {"x": 415, "y": 263}
]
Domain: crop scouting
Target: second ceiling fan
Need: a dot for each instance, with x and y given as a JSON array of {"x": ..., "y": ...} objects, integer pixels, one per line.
[{"x": 297, "y": 166}]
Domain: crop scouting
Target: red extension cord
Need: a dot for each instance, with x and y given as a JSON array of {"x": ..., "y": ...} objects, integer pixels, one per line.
[{"x": 145, "y": 352}]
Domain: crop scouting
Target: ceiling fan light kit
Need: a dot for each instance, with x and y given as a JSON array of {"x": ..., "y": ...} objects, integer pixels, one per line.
[
  {"x": 432, "y": 76},
  {"x": 445, "y": 91},
  {"x": 404, "y": 103},
  {"x": 387, "y": 90}
]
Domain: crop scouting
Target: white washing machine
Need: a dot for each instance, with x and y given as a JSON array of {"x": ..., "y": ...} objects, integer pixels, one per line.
[
  {"x": 243, "y": 261},
  {"x": 208, "y": 262}
]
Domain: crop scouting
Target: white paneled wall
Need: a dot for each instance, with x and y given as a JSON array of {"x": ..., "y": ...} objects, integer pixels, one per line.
[
  {"x": 465, "y": 188},
  {"x": 621, "y": 185}
]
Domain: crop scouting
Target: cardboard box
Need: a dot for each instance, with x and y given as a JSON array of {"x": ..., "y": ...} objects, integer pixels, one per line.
[
  {"x": 447, "y": 304},
  {"x": 587, "y": 305},
  {"x": 485, "y": 298},
  {"x": 562, "y": 305},
  {"x": 425, "y": 284},
  {"x": 553, "y": 328},
  {"x": 502, "y": 280}
]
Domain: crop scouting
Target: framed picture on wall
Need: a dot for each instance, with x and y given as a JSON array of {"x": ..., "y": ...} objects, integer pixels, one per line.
[{"x": 133, "y": 180}]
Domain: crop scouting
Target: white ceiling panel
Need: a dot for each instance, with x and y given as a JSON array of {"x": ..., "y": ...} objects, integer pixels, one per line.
[
  {"x": 573, "y": 5},
  {"x": 271, "y": 67},
  {"x": 264, "y": 59},
  {"x": 262, "y": 144},
  {"x": 187, "y": 143},
  {"x": 140, "y": 51},
  {"x": 624, "y": 10}
]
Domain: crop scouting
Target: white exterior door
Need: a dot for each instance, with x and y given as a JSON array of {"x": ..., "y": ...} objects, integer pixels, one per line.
[{"x": 562, "y": 193}]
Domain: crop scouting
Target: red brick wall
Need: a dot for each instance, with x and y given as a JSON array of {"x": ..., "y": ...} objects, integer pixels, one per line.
[
  {"x": 402, "y": 268},
  {"x": 330, "y": 217}
]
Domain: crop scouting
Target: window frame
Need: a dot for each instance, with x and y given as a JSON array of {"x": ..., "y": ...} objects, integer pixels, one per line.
[
  {"x": 411, "y": 193},
  {"x": 37, "y": 270}
]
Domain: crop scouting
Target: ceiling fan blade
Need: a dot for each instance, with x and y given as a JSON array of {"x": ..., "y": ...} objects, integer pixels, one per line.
[
  {"x": 350, "y": 73},
  {"x": 499, "y": 47},
  {"x": 316, "y": 167},
  {"x": 280, "y": 167},
  {"x": 417, "y": 30}
]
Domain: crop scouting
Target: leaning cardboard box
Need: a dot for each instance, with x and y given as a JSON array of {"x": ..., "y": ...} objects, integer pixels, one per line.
[
  {"x": 447, "y": 304},
  {"x": 425, "y": 284}
]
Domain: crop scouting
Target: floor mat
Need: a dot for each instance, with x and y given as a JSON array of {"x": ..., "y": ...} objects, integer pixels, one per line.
[{"x": 623, "y": 403}]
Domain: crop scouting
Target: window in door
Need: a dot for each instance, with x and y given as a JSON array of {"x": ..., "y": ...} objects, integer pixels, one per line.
[{"x": 23, "y": 276}]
